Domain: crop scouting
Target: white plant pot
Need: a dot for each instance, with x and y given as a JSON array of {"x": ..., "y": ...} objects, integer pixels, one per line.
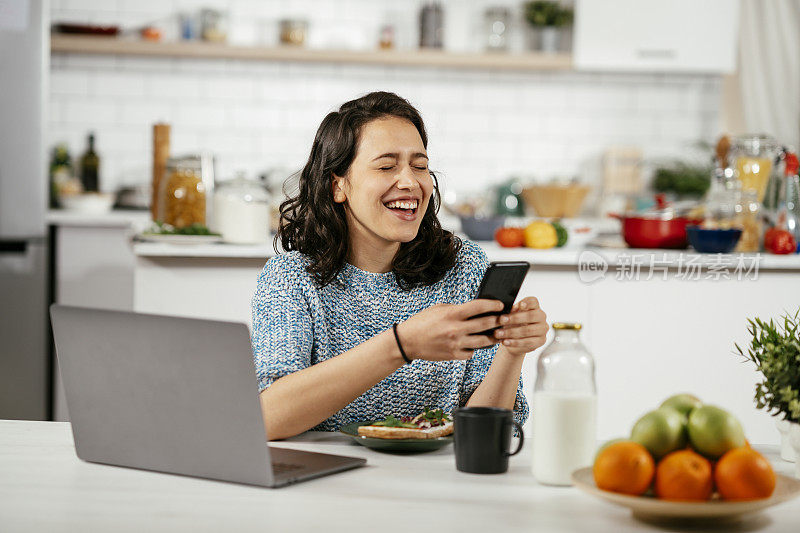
[
  {"x": 794, "y": 438},
  {"x": 787, "y": 453},
  {"x": 548, "y": 39}
]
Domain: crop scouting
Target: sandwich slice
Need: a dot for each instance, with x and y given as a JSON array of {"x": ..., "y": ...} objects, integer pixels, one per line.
[{"x": 429, "y": 424}]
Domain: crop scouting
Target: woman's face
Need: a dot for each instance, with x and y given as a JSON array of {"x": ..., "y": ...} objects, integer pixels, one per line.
[{"x": 388, "y": 186}]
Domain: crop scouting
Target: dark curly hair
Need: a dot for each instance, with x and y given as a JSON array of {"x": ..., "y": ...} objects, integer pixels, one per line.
[{"x": 313, "y": 224}]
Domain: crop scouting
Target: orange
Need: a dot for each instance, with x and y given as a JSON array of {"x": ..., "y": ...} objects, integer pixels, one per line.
[
  {"x": 625, "y": 467},
  {"x": 744, "y": 474},
  {"x": 684, "y": 475}
]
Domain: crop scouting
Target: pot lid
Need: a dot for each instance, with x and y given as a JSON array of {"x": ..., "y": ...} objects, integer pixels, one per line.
[{"x": 664, "y": 209}]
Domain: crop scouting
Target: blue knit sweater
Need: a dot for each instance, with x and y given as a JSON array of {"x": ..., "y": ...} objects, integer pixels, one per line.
[{"x": 297, "y": 324}]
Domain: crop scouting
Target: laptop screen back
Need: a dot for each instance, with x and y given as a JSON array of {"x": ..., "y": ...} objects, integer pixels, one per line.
[{"x": 162, "y": 393}]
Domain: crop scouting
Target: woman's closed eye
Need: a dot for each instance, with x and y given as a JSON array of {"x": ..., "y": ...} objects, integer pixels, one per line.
[{"x": 416, "y": 167}]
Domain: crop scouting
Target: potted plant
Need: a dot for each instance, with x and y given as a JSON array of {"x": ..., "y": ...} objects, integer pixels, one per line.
[
  {"x": 686, "y": 180},
  {"x": 775, "y": 350},
  {"x": 548, "y": 17}
]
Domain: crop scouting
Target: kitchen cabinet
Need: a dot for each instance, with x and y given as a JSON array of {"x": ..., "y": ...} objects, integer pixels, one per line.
[
  {"x": 656, "y": 36},
  {"x": 94, "y": 266},
  {"x": 650, "y": 338}
]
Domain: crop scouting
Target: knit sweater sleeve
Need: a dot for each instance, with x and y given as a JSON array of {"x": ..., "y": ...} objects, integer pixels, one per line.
[{"x": 282, "y": 334}]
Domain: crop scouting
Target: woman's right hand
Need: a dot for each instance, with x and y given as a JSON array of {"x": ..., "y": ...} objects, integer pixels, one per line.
[{"x": 443, "y": 332}]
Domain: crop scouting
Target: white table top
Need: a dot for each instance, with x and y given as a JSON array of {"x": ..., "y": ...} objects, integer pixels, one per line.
[{"x": 45, "y": 487}]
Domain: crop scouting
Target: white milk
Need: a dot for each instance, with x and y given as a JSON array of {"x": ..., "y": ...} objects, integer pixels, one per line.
[{"x": 564, "y": 433}]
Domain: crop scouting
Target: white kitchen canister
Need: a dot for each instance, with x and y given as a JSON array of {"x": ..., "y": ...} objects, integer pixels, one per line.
[{"x": 241, "y": 211}]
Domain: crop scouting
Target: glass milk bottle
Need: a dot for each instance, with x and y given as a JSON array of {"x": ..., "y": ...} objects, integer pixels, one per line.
[{"x": 564, "y": 408}]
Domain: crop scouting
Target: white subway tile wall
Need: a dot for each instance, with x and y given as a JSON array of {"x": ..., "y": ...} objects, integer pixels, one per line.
[{"x": 483, "y": 126}]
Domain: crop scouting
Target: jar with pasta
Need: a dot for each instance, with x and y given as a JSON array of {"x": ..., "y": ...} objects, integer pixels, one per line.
[
  {"x": 749, "y": 220},
  {"x": 182, "y": 198}
]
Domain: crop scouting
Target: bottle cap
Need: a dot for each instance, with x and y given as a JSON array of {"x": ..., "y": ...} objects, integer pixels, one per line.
[
  {"x": 792, "y": 164},
  {"x": 567, "y": 325}
]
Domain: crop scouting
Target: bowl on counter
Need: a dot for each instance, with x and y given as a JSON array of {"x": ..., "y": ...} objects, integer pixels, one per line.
[
  {"x": 555, "y": 201},
  {"x": 481, "y": 228},
  {"x": 89, "y": 202},
  {"x": 713, "y": 241}
]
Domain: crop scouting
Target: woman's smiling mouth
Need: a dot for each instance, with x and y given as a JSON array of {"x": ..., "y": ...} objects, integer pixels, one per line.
[{"x": 403, "y": 209}]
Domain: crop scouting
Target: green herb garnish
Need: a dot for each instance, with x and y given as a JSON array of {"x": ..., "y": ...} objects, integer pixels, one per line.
[
  {"x": 392, "y": 422},
  {"x": 159, "y": 228},
  {"x": 438, "y": 414},
  {"x": 775, "y": 350}
]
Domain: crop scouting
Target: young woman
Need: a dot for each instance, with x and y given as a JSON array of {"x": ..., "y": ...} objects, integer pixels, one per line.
[{"x": 368, "y": 312}]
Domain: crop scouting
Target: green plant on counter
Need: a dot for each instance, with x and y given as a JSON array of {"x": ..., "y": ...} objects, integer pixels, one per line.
[
  {"x": 159, "y": 228},
  {"x": 682, "y": 178},
  {"x": 775, "y": 350},
  {"x": 546, "y": 13}
]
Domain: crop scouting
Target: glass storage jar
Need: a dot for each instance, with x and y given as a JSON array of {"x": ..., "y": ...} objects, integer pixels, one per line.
[
  {"x": 564, "y": 407},
  {"x": 496, "y": 20},
  {"x": 789, "y": 198},
  {"x": 182, "y": 195},
  {"x": 753, "y": 157},
  {"x": 242, "y": 211}
]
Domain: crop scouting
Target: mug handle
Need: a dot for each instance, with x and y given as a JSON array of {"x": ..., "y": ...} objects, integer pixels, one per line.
[{"x": 521, "y": 439}]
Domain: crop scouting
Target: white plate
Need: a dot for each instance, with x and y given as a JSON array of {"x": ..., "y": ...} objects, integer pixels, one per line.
[
  {"x": 649, "y": 508},
  {"x": 180, "y": 239}
]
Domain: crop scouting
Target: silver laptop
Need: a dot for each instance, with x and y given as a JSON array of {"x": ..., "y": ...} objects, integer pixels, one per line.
[{"x": 171, "y": 394}]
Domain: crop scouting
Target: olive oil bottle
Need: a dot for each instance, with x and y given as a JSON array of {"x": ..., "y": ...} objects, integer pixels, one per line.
[
  {"x": 60, "y": 172},
  {"x": 90, "y": 168}
]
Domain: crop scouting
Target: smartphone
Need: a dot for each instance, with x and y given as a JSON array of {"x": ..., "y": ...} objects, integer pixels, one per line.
[{"x": 502, "y": 281}]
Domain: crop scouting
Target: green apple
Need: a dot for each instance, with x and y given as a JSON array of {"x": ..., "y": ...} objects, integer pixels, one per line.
[
  {"x": 660, "y": 431},
  {"x": 713, "y": 431},
  {"x": 683, "y": 403}
]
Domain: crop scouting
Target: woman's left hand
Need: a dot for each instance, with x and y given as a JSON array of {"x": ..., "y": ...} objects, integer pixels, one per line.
[{"x": 523, "y": 329}]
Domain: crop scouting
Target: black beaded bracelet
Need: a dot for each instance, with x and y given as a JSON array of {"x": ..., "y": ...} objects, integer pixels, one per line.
[{"x": 397, "y": 338}]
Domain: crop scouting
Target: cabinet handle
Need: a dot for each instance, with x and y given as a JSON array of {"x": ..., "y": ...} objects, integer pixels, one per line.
[
  {"x": 13, "y": 247},
  {"x": 656, "y": 53}
]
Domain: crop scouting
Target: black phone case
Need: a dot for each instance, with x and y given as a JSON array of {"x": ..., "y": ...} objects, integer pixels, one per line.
[{"x": 502, "y": 281}]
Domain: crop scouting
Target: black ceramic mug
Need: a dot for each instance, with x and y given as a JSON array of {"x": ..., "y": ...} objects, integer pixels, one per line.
[{"x": 483, "y": 439}]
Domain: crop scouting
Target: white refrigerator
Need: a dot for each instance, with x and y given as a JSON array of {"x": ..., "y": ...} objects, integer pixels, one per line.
[{"x": 25, "y": 353}]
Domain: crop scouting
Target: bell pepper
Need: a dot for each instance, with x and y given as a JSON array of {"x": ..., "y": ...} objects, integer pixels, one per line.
[
  {"x": 780, "y": 242},
  {"x": 769, "y": 238}
]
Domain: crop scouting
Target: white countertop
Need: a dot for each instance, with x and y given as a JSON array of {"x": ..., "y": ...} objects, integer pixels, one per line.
[
  {"x": 45, "y": 487},
  {"x": 568, "y": 256},
  {"x": 559, "y": 257},
  {"x": 241, "y": 251},
  {"x": 115, "y": 218}
]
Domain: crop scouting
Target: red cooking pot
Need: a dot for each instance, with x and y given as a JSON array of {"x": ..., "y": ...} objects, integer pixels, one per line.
[{"x": 662, "y": 227}]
